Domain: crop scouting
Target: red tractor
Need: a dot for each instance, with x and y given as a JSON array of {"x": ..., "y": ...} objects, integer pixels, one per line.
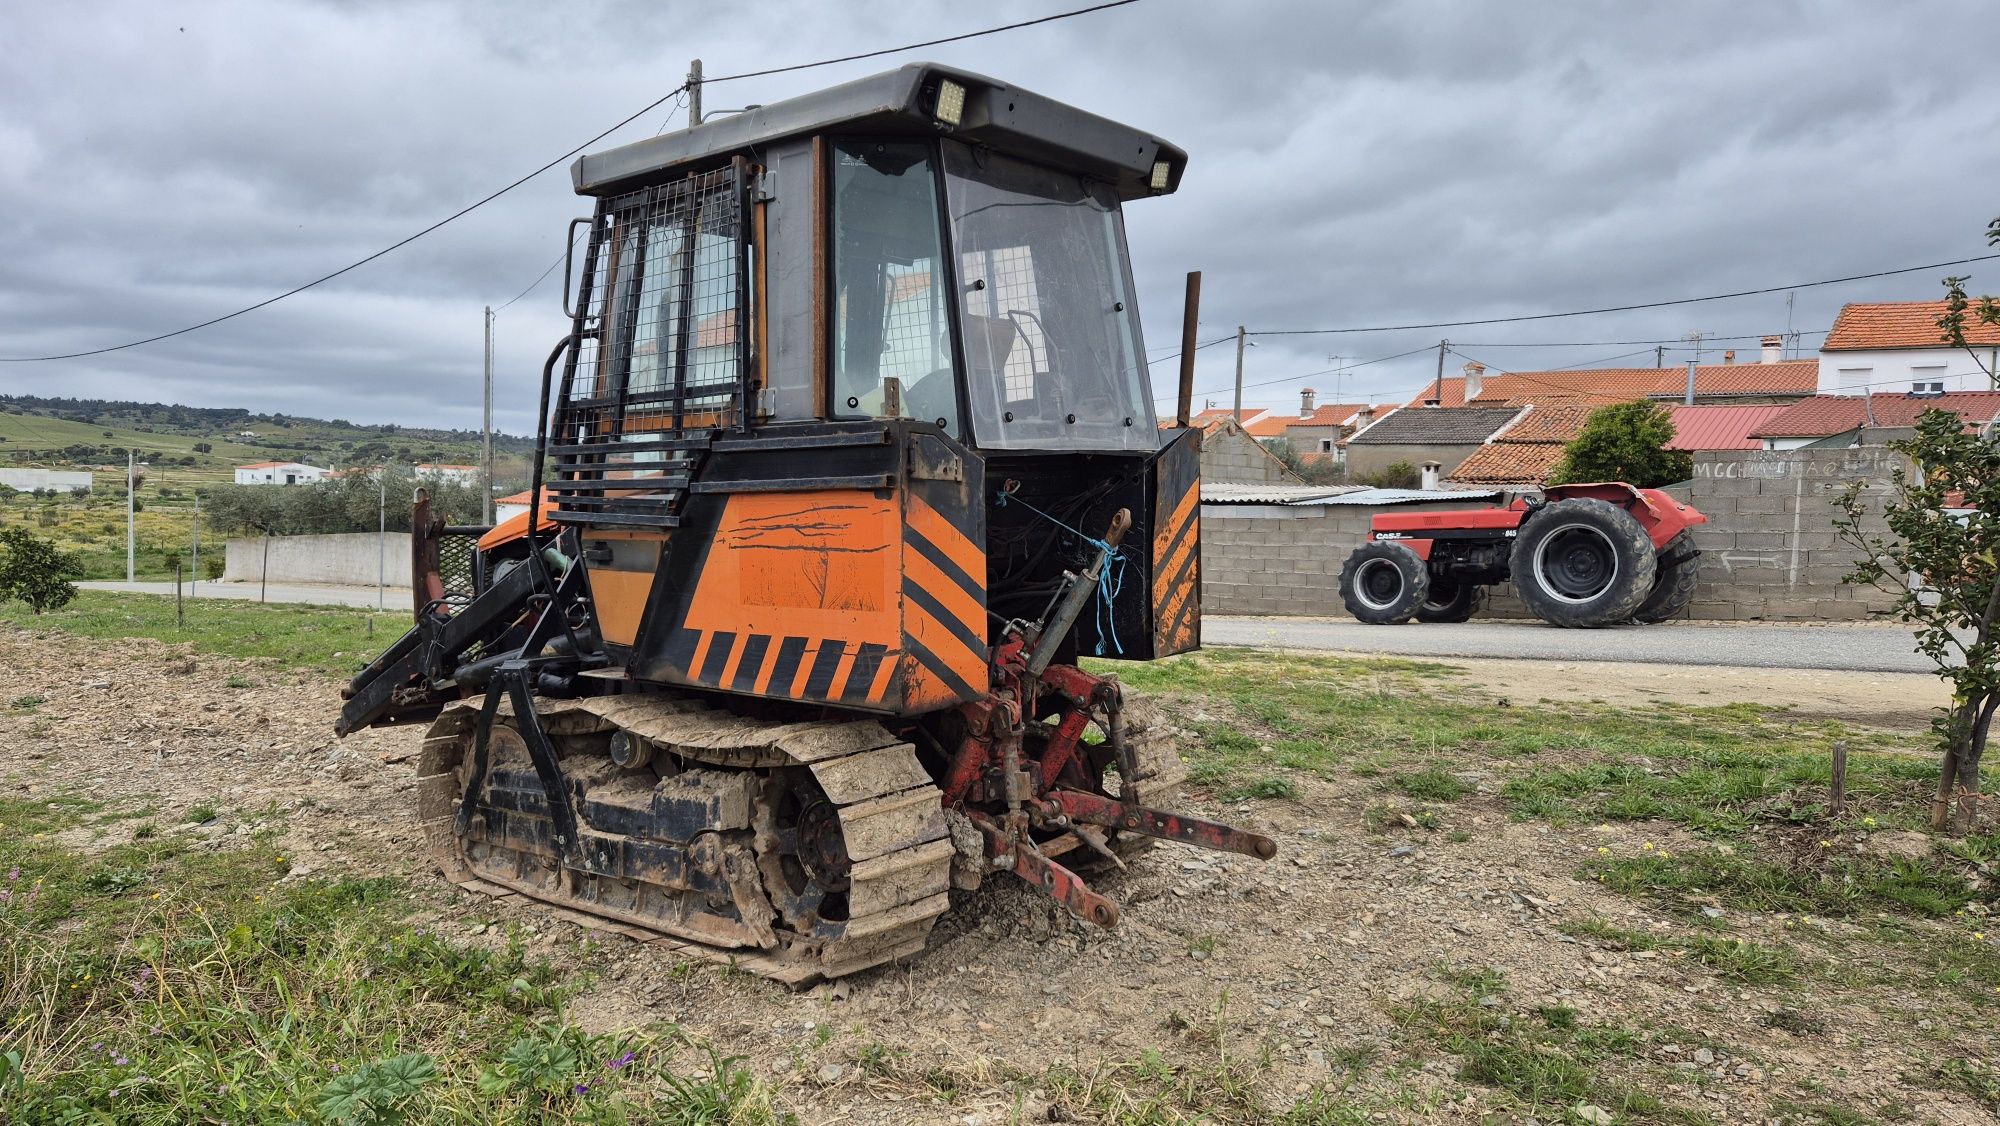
[{"x": 1581, "y": 556}]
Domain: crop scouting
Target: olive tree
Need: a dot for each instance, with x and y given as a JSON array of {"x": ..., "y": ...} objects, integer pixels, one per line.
[{"x": 33, "y": 570}]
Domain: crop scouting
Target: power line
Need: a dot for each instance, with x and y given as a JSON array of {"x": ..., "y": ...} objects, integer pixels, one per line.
[
  {"x": 927, "y": 43},
  {"x": 1629, "y": 308},
  {"x": 538, "y": 281},
  {"x": 1198, "y": 347},
  {"x": 1308, "y": 375},
  {"x": 1616, "y": 343},
  {"x": 469, "y": 208}
]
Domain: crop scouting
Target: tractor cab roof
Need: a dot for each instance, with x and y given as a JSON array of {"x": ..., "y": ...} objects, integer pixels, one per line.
[{"x": 914, "y": 100}]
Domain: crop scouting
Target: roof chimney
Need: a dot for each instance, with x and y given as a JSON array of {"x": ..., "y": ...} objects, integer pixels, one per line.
[
  {"x": 1305, "y": 402},
  {"x": 1430, "y": 477},
  {"x": 1774, "y": 349},
  {"x": 1475, "y": 380},
  {"x": 1729, "y": 357}
]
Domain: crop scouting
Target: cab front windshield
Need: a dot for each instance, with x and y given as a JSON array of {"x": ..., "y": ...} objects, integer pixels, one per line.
[{"x": 1049, "y": 327}]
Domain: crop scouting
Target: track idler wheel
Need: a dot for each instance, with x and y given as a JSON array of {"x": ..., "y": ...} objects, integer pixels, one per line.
[{"x": 802, "y": 853}]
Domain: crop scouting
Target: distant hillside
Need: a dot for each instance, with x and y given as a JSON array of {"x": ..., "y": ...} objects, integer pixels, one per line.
[{"x": 205, "y": 442}]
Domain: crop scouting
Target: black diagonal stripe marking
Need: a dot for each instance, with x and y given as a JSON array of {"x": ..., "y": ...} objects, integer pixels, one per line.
[
  {"x": 963, "y": 518},
  {"x": 819, "y": 682},
  {"x": 943, "y": 671},
  {"x": 790, "y": 651},
  {"x": 719, "y": 645},
  {"x": 679, "y": 654},
  {"x": 1180, "y": 533},
  {"x": 951, "y": 570},
  {"x": 861, "y": 675},
  {"x": 1178, "y": 583},
  {"x": 947, "y": 619},
  {"x": 754, "y": 648}
]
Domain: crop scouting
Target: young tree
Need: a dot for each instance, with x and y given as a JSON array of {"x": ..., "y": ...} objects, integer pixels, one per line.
[
  {"x": 1934, "y": 545},
  {"x": 1941, "y": 559},
  {"x": 33, "y": 570},
  {"x": 1625, "y": 442}
]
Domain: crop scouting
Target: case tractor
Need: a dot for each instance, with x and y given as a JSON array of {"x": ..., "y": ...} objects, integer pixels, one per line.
[
  {"x": 848, "y": 455},
  {"x": 1580, "y": 556}
]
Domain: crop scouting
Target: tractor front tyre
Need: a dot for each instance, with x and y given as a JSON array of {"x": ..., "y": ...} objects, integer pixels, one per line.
[
  {"x": 1583, "y": 563},
  {"x": 1673, "y": 586},
  {"x": 1451, "y": 602},
  {"x": 1384, "y": 584}
]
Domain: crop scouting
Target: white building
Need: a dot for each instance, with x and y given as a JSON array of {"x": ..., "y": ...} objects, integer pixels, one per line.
[
  {"x": 460, "y": 474},
  {"x": 278, "y": 473},
  {"x": 1896, "y": 348},
  {"x": 28, "y": 480}
]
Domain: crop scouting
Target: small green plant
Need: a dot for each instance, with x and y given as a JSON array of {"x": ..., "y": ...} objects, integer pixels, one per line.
[
  {"x": 237, "y": 682},
  {"x": 1267, "y": 787},
  {"x": 1430, "y": 784},
  {"x": 29, "y": 703},
  {"x": 202, "y": 814},
  {"x": 377, "y": 1092}
]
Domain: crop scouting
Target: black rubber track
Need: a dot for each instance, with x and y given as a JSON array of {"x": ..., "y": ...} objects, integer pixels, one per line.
[
  {"x": 1595, "y": 549},
  {"x": 1451, "y": 602},
  {"x": 1673, "y": 588},
  {"x": 1383, "y": 584}
]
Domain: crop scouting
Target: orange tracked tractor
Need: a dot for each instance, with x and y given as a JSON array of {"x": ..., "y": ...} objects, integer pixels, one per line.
[{"x": 848, "y": 455}]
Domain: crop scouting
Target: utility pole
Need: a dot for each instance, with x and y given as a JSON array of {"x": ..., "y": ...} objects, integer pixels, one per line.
[
  {"x": 486, "y": 433},
  {"x": 195, "y": 580},
  {"x": 131, "y": 524},
  {"x": 1437, "y": 389},
  {"x": 382, "y": 535},
  {"x": 1659, "y": 355},
  {"x": 694, "y": 92},
  {"x": 1239, "y": 374}
]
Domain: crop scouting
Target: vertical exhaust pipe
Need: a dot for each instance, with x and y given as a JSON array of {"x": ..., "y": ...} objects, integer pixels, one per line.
[{"x": 1190, "y": 313}]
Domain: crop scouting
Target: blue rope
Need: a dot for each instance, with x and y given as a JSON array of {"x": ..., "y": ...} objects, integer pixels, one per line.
[{"x": 1108, "y": 587}]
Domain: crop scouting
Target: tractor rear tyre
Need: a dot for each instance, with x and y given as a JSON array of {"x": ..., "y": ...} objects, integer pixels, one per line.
[
  {"x": 1583, "y": 563},
  {"x": 1673, "y": 586},
  {"x": 1451, "y": 602},
  {"x": 1384, "y": 584}
]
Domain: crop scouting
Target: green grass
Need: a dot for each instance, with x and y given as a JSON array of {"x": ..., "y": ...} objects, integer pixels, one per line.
[
  {"x": 161, "y": 982},
  {"x": 1818, "y": 885},
  {"x": 332, "y": 640},
  {"x": 1543, "y": 1062}
]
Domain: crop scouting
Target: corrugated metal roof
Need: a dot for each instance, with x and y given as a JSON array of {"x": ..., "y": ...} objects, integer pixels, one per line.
[
  {"x": 1245, "y": 492},
  {"x": 1405, "y": 496},
  {"x": 1701, "y": 427},
  {"x": 1236, "y": 492}
]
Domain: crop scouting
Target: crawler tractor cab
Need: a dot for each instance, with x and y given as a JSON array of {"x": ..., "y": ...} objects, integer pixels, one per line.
[
  {"x": 1579, "y": 555},
  {"x": 848, "y": 455}
]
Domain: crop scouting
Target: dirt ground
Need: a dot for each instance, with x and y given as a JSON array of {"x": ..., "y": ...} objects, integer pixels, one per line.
[{"x": 1297, "y": 961}]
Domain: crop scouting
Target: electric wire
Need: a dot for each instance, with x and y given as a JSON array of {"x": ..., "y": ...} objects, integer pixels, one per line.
[
  {"x": 483, "y": 201},
  {"x": 1629, "y": 308}
]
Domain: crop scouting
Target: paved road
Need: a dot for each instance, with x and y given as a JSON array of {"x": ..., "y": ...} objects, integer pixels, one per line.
[
  {"x": 1863, "y": 648},
  {"x": 395, "y": 598}
]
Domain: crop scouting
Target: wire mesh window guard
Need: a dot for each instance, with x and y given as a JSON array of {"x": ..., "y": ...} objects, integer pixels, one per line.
[{"x": 662, "y": 360}]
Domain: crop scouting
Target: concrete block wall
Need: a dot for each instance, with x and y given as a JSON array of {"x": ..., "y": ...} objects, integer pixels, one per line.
[
  {"x": 343, "y": 560},
  {"x": 1768, "y": 550},
  {"x": 1231, "y": 455}
]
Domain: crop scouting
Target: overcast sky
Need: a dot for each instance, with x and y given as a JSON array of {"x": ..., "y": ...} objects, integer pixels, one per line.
[{"x": 1351, "y": 164}]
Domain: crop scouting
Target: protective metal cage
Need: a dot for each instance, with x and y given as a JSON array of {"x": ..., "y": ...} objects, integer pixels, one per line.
[{"x": 662, "y": 360}]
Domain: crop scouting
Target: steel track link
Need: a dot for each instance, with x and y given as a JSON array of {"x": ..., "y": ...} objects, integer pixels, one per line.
[{"x": 897, "y": 850}]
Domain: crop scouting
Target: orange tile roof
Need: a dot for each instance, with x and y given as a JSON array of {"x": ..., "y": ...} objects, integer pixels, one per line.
[
  {"x": 1787, "y": 377},
  {"x": 1823, "y": 416},
  {"x": 276, "y": 464},
  {"x": 1555, "y": 421},
  {"x": 1274, "y": 424},
  {"x": 1899, "y": 324},
  {"x": 1703, "y": 427},
  {"x": 1509, "y": 463}
]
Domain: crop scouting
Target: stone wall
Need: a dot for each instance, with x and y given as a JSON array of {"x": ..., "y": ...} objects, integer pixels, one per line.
[
  {"x": 1768, "y": 549},
  {"x": 344, "y": 560},
  {"x": 1365, "y": 458},
  {"x": 1230, "y": 454}
]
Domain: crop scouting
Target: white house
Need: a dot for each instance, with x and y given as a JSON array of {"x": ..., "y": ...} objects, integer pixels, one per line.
[
  {"x": 278, "y": 473},
  {"x": 1894, "y": 348},
  {"x": 459, "y": 474}
]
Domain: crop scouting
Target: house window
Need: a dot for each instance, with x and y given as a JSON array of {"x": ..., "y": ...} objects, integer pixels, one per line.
[
  {"x": 1927, "y": 387},
  {"x": 1853, "y": 381},
  {"x": 1927, "y": 379},
  {"x": 1326, "y": 445}
]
